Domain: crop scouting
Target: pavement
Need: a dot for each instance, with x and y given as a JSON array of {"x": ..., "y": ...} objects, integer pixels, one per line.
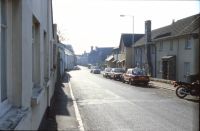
[
  {"x": 61, "y": 114},
  {"x": 156, "y": 84}
]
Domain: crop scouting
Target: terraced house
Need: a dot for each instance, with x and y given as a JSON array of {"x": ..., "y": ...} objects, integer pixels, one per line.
[
  {"x": 170, "y": 52},
  {"x": 27, "y": 62}
]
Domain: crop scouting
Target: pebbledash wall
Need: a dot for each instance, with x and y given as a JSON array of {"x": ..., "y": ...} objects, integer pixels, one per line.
[{"x": 30, "y": 72}]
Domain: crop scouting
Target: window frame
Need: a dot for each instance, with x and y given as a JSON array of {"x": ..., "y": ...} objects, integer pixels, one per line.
[
  {"x": 4, "y": 74},
  {"x": 36, "y": 69},
  {"x": 188, "y": 43},
  {"x": 46, "y": 56}
]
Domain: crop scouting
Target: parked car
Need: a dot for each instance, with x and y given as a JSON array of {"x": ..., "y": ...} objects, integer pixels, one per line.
[
  {"x": 135, "y": 76},
  {"x": 76, "y": 68},
  {"x": 89, "y": 66},
  {"x": 116, "y": 73},
  {"x": 95, "y": 70},
  {"x": 106, "y": 72}
]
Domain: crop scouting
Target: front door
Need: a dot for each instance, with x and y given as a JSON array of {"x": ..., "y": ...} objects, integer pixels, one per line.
[{"x": 169, "y": 68}]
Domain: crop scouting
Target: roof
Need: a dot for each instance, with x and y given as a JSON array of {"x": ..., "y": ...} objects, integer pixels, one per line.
[
  {"x": 127, "y": 39},
  {"x": 110, "y": 58},
  {"x": 168, "y": 57},
  {"x": 68, "y": 52},
  {"x": 181, "y": 27},
  {"x": 114, "y": 61}
]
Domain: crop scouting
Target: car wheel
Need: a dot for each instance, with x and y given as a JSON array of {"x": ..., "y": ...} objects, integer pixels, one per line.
[
  {"x": 146, "y": 84},
  {"x": 130, "y": 82},
  {"x": 123, "y": 80}
]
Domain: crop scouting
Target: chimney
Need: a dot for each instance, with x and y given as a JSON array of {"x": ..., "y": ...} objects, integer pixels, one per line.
[
  {"x": 173, "y": 21},
  {"x": 91, "y": 48},
  {"x": 148, "y": 31},
  {"x": 55, "y": 32}
]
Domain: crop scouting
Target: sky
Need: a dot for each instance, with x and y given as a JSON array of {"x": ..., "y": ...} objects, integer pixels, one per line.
[{"x": 86, "y": 23}]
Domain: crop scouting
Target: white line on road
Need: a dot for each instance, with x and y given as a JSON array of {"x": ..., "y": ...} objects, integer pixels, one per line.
[{"x": 77, "y": 113}]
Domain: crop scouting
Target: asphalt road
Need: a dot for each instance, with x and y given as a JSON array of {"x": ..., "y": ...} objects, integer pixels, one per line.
[{"x": 109, "y": 105}]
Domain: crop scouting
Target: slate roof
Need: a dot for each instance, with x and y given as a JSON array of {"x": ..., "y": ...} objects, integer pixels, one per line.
[
  {"x": 127, "y": 39},
  {"x": 109, "y": 58},
  {"x": 183, "y": 26}
]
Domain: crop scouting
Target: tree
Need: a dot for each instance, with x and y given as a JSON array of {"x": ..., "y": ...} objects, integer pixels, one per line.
[{"x": 60, "y": 36}]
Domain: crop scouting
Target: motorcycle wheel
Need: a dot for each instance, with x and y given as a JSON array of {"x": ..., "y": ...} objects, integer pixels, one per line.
[{"x": 180, "y": 92}]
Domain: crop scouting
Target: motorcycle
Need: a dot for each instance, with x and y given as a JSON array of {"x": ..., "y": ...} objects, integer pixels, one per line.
[{"x": 183, "y": 89}]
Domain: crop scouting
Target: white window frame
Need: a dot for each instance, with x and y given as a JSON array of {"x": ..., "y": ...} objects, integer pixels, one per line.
[{"x": 188, "y": 43}]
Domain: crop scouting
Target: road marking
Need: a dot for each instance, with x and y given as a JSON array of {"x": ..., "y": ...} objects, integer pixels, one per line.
[{"x": 77, "y": 113}]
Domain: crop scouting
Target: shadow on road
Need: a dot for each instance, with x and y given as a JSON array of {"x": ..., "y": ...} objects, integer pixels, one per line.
[{"x": 58, "y": 105}]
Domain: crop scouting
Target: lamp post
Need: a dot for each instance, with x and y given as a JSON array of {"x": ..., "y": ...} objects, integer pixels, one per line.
[
  {"x": 133, "y": 33},
  {"x": 133, "y": 25}
]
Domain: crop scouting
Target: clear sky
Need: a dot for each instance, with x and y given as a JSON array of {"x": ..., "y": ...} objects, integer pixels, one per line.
[{"x": 86, "y": 23}]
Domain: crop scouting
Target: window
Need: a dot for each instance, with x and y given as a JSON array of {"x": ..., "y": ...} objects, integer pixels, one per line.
[
  {"x": 46, "y": 57},
  {"x": 35, "y": 53},
  {"x": 186, "y": 69},
  {"x": 171, "y": 45},
  {"x": 161, "y": 46},
  {"x": 188, "y": 43},
  {"x": 3, "y": 52}
]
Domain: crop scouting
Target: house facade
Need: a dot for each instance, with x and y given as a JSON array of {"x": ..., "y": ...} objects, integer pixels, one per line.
[
  {"x": 70, "y": 59},
  {"x": 66, "y": 58},
  {"x": 112, "y": 60},
  {"x": 98, "y": 55},
  {"x": 125, "y": 50},
  {"x": 82, "y": 59},
  {"x": 27, "y": 62},
  {"x": 173, "y": 50}
]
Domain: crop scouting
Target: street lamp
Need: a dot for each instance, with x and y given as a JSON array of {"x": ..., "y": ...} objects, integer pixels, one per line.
[
  {"x": 133, "y": 25},
  {"x": 132, "y": 36}
]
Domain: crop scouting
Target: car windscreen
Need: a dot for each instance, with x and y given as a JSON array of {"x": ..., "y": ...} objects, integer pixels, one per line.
[
  {"x": 138, "y": 71},
  {"x": 108, "y": 69},
  {"x": 95, "y": 67}
]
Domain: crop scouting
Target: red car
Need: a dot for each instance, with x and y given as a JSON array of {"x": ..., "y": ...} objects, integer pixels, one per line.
[{"x": 135, "y": 76}]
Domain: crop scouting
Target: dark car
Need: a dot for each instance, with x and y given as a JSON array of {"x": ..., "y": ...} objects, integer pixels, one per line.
[
  {"x": 95, "y": 70},
  {"x": 106, "y": 72},
  {"x": 76, "y": 68},
  {"x": 135, "y": 76},
  {"x": 116, "y": 73}
]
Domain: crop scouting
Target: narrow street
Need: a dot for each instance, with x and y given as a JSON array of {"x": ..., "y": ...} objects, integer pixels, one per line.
[{"x": 109, "y": 105}]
